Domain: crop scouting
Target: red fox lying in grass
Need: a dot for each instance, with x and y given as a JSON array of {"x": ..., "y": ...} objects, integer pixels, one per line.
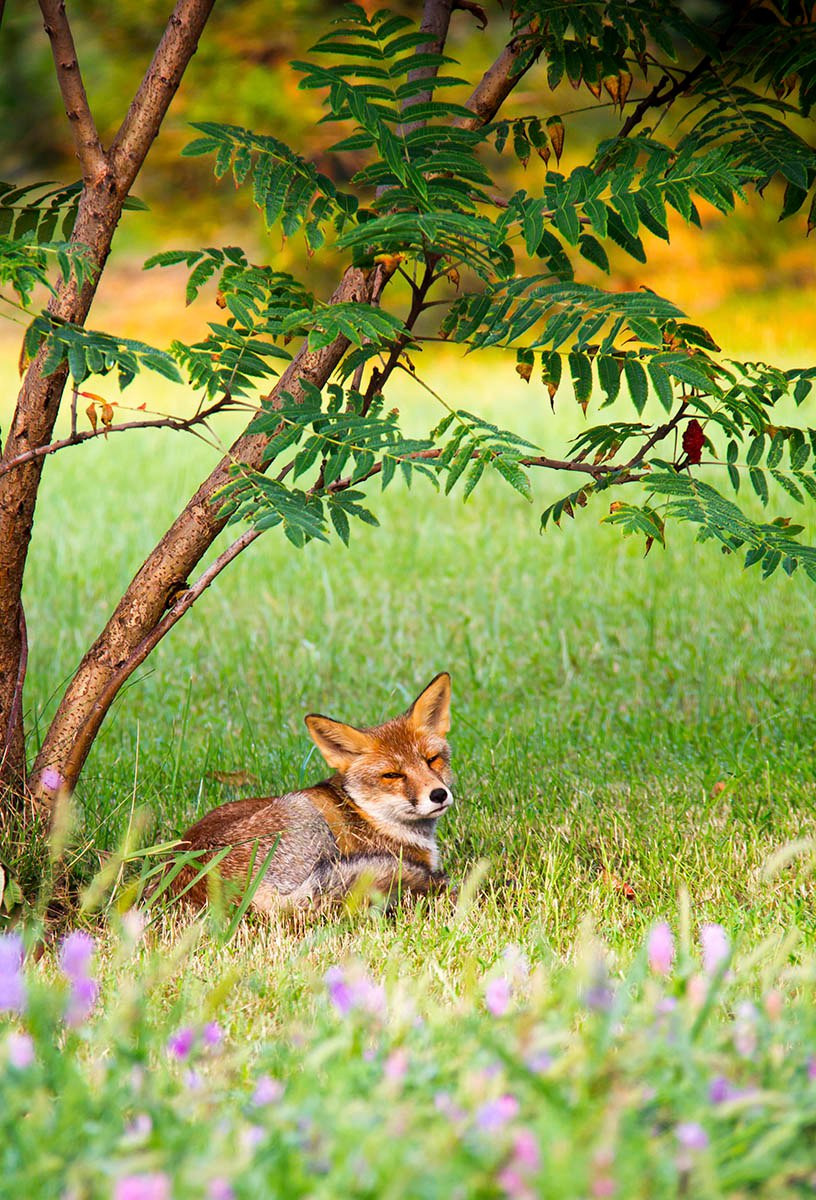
[{"x": 373, "y": 820}]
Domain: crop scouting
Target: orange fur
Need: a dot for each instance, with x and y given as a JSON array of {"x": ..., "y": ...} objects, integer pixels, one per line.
[{"x": 374, "y": 819}]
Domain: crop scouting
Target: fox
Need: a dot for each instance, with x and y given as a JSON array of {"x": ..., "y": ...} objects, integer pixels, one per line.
[{"x": 372, "y": 822}]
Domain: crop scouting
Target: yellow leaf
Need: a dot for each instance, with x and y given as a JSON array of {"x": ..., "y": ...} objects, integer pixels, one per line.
[
  {"x": 90, "y": 413},
  {"x": 525, "y": 370}
]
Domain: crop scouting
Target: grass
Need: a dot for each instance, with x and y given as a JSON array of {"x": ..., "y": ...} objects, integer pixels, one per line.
[{"x": 632, "y": 742}]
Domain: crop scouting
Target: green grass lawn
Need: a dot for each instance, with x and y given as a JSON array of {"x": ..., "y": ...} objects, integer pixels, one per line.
[{"x": 632, "y": 741}]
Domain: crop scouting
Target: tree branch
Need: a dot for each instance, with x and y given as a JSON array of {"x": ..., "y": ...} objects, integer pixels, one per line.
[
  {"x": 183, "y": 601},
  {"x": 137, "y": 621},
  {"x": 178, "y": 44},
  {"x": 83, "y": 128},
  {"x": 180, "y": 424},
  {"x": 499, "y": 80}
]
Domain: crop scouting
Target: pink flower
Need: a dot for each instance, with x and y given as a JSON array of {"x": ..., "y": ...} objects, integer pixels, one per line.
[
  {"x": 20, "y": 1050},
  {"x": 514, "y": 1185},
  {"x": 51, "y": 779},
  {"x": 497, "y": 996},
  {"x": 267, "y": 1091},
  {"x": 155, "y": 1186},
  {"x": 526, "y": 1153},
  {"x": 181, "y": 1042},
  {"x": 660, "y": 949},
  {"x": 691, "y": 1136},
  {"x": 495, "y": 1114},
  {"x": 811, "y": 1068},
  {"x": 396, "y": 1065},
  {"x": 716, "y": 947},
  {"x": 12, "y": 985},
  {"x": 220, "y": 1189}
]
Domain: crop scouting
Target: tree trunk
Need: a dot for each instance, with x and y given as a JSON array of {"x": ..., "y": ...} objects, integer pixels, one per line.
[
  {"x": 114, "y": 654},
  {"x": 136, "y": 624},
  {"x": 108, "y": 179}
]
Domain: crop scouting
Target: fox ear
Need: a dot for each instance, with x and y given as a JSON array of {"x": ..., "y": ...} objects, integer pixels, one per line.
[
  {"x": 338, "y": 743},
  {"x": 430, "y": 712}
]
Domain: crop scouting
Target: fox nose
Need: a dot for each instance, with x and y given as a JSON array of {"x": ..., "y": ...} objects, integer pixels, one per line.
[{"x": 439, "y": 795}]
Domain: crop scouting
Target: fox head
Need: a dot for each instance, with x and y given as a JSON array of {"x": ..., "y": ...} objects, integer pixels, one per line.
[{"x": 399, "y": 771}]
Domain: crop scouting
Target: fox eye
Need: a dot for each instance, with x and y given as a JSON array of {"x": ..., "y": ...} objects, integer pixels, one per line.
[
  {"x": 392, "y": 775},
  {"x": 437, "y": 758}
]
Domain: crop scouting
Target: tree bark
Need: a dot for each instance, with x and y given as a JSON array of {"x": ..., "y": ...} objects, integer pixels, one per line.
[
  {"x": 165, "y": 570},
  {"x": 108, "y": 179},
  {"x": 137, "y": 621}
]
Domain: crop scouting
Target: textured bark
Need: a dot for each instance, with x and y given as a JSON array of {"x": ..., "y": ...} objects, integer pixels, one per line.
[
  {"x": 140, "y": 618},
  {"x": 108, "y": 179},
  {"x": 115, "y": 653}
]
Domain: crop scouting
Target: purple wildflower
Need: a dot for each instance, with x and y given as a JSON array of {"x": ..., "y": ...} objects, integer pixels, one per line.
[
  {"x": 267, "y": 1091},
  {"x": 193, "y": 1081},
  {"x": 720, "y": 1090},
  {"x": 811, "y": 1068},
  {"x": 497, "y": 996},
  {"x": 716, "y": 947},
  {"x": 20, "y": 1050},
  {"x": 494, "y": 1114},
  {"x": 155, "y": 1186},
  {"x": 211, "y": 1034},
  {"x": 660, "y": 949},
  {"x": 539, "y": 1061},
  {"x": 75, "y": 955},
  {"x": 180, "y": 1043},
  {"x": 348, "y": 992},
  {"x": 220, "y": 1189},
  {"x": 252, "y": 1136},
  {"x": 83, "y": 997},
  {"x": 12, "y": 985},
  {"x": 691, "y": 1135},
  {"x": 339, "y": 991}
]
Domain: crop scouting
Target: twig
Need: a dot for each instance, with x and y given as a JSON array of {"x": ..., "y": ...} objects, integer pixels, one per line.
[
  {"x": 76, "y": 439},
  {"x": 89, "y": 150},
  {"x": 659, "y": 434},
  {"x": 74, "y": 400}
]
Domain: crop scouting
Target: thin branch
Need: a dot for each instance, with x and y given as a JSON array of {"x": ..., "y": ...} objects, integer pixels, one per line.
[
  {"x": 162, "y": 78},
  {"x": 659, "y": 434},
  {"x": 474, "y": 9},
  {"x": 89, "y": 150},
  {"x": 76, "y": 439},
  {"x": 656, "y": 98}
]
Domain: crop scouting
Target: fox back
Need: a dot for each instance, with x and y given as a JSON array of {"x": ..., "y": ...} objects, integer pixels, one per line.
[{"x": 373, "y": 820}]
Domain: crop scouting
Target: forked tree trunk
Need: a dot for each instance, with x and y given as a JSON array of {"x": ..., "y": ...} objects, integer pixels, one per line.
[
  {"x": 108, "y": 178},
  {"x": 140, "y": 618}
]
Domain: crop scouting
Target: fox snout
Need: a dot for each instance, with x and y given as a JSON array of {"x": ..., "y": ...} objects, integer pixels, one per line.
[{"x": 440, "y": 798}]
